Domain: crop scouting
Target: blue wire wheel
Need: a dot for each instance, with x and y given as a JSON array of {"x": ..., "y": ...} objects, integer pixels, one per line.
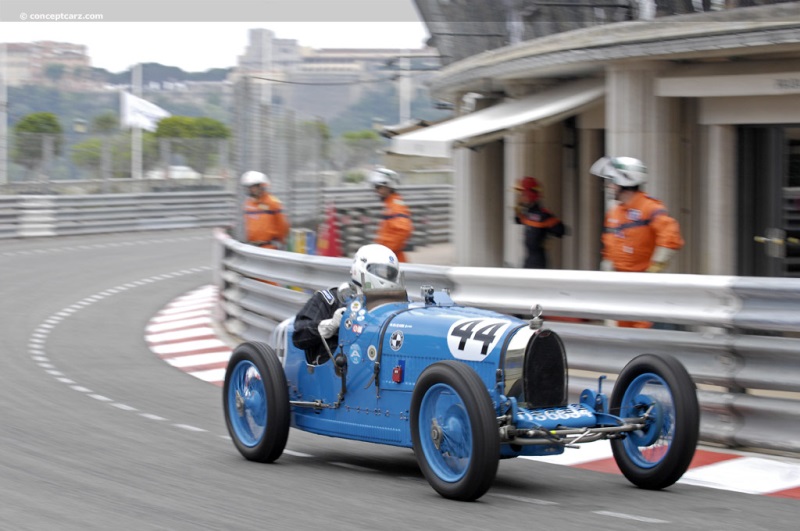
[
  {"x": 659, "y": 393},
  {"x": 247, "y": 404},
  {"x": 448, "y": 448},
  {"x": 649, "y": 393},
  {"x": 256, "y": 402},
  {"x": 454, "y": 430}
]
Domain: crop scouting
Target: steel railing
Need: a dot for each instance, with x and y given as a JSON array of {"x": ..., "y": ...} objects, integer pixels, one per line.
[
  {"x": 357, "y": 209},
  {"x": 45, "y": 215},
  {"x": 739, "y": 337}
]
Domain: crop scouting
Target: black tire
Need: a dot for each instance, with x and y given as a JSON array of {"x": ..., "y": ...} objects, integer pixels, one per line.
[
  {"x": 657, "y": 456},
  {"x": 450, "y": 401},
  {"x": 255, "y": 400},
  {"x": 517, "y": 391}
]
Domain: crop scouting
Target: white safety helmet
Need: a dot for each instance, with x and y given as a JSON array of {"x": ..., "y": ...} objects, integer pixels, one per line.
[
  {"x": 252, "y": 178},
  {"x": 375, "y": 267},
  {"x": 622, "y": 171},
  {"x": 384, "y": 177}
]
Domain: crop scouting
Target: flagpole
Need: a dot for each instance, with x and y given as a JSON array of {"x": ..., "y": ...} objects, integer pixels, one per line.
[{"x": 136, "y": 134}]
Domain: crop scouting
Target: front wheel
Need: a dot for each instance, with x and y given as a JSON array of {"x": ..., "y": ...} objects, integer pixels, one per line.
[
  {"x": 256, "y": 402},
  {"x": 657, "y": 455},
  {"x": 454, "y": 431}
]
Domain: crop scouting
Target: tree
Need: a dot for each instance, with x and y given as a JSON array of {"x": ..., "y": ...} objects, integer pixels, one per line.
[
  {"x": 175, "y": 127},
  {"x": 196, "y": 139},
  {"x": 210, "y": 128},
  {"x": 105, "y": 123},
  {"x": 356, "y": 148},
  {"x": 89, "y": 154},
  {"x": 32, "y": 134},
  {"x": 54, "y": 72}
]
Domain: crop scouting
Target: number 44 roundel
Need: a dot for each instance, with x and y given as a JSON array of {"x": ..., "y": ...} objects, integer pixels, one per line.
[{"x": 474, "y": 339}]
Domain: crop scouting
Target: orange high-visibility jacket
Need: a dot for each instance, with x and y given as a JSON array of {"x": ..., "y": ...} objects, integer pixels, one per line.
[
  {"x": 265, "y": 223},
  {"x": 632, "y": 232},
  {"x": 396, "y": 226}
]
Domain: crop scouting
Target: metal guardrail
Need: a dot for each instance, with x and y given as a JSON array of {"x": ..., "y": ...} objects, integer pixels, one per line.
[
  {"x": 358, "y": 211},
  {"x": 44, "y": 186},
  {"x": 44, "y": 215},
  {"x": 9, "y": 219},
  {"x": 748, "y": 377}
]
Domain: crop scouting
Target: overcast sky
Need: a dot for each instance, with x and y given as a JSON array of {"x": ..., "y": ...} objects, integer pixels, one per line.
[
  {"x": 196, "y": 35},
  {"x": 198, "y": 46}
]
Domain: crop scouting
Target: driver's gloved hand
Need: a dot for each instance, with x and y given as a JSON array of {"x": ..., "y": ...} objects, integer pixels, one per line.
[{"x": 329, "y": 327}]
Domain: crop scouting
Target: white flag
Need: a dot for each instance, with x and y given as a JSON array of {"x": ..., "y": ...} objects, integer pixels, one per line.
[{"x": 137, "y": 112}]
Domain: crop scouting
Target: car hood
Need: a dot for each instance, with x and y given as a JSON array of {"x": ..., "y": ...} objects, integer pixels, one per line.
[{"x": 451, "y": 332}]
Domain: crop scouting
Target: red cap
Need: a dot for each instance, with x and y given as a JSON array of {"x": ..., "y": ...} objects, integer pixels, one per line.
[
  {"x": 529, "y": 187},
  {"x": 527, "y": 183}
]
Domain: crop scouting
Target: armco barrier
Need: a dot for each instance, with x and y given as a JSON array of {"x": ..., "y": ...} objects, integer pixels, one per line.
[
  {"x": 358, "y": 209},
  {"x": 748, "y": 377},
  {"x": 8, "y": 217},
  {"x": 27, "y": 216}
]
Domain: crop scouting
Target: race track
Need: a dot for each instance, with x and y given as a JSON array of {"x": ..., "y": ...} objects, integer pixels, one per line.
[{"x": 99, "y": 432}]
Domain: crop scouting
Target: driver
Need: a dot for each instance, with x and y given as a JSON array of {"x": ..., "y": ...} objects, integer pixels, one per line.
[{"x": 375, "y": 268}]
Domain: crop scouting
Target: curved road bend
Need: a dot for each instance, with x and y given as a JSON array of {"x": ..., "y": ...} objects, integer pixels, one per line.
[{"x": 96, "y": 432}]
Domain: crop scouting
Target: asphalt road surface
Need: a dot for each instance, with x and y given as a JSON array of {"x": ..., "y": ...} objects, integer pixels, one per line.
[{"x": 96, "y": 432}]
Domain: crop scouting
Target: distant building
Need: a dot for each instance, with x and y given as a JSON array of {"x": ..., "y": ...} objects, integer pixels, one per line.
[
  {"x": 45, "y": 62},
  {"x": 264, "y": 52},
  {"x": 321, "y": 82}
]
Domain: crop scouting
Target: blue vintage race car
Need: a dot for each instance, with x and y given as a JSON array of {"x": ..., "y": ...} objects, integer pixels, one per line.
[{"x": 464, "y": 387}]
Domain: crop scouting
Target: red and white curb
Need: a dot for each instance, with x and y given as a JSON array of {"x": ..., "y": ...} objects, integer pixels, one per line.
[
  {"x": 182, "y": 335},
  {"x": 716, "y": 469}
]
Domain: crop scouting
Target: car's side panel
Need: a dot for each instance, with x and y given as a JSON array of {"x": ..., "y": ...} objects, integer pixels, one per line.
[
  {"x": 386, "y": 349},
  {"x": 423, "y": 335},
  {"x": 361, "y": 414}
]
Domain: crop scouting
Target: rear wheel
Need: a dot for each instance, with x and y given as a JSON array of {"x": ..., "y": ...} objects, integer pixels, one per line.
[
  {"x": 256, "y": 402},
  {"x": 454, "y": 431},
  {"x": 656, "y": 456}
]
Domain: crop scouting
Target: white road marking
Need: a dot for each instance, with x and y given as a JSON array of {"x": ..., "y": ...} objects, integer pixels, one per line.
[
  {"x": 180, "y": 316},
  {"x": 523, "y": 499},
  {"x": 188, "y": 427},
  {"x": 188, "y": 346},
  {"x": 585, "y": 453},
  {"x": 38, "y": 339},
  {"x": 751, "y": 475},
  {"x": 180, "y": 333},
  {"x": 197, "y": 360},
  {"x": 175, "y": 311},
  {"x": 296, "y": 454},
  {"x": 100, "y": 398},
  {"x": 124, "y": 407},
  {"x": 211, "y": 375},
  {"x": 171, "y": 326},
  {"x": 631, "y": 517}
]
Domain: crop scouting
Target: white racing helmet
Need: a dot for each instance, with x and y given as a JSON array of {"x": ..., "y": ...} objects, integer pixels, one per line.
[
  {"x": 376, "y": 268},
  {"x": 622, "y": 171},
  {"x": 384, "y": 177},
  {"x": 252, "y": 178}
]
